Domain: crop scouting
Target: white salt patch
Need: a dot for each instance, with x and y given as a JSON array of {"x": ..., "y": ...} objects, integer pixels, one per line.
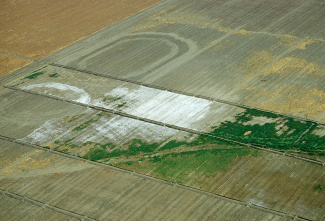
[
  {"x": 257, "y": 202},
  {"x": 320, "y": 131},
  {"x": 118, "y": 92},
  {"x": 281, "y": 130},
  {"x": 117, "y": 130},
  {"x": 84, "y": 96},
  {"x": 42, "y": 134},
  {"x": 120, "y": 129},
  {"x": 261, "y": 121},
  {"x": 164, "y": 106}
]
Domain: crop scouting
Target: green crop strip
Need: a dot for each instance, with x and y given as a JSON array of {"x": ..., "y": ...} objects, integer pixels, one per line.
[
  {"x": 121, "y": 105},
  {"x": 177, "y": 167},
  {"x": 84, "y": 125},
  {"x": 55, "y": 75},
  {"x": 35, "y": 75},
  {"x": 111, "y": 99},
  {"x": 200, "y": 140},
  {"x": 136, "y": 146}
]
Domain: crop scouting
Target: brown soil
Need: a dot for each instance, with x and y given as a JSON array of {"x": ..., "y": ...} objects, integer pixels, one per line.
[{"x": 37, "y": 28}]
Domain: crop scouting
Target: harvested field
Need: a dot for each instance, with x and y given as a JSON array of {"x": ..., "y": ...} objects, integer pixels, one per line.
[
  {"x": 193, "y": 110},
  {"x": 198, "y": 161},
  {"x": 256, "y": 177},
  {"x": 9, "y": 64},
  {"x": 112, "y": 192},
  {"x": 235, "y": 65},
  {"x": 27, "y": 211},
  {"x": 37, "y": 28}
]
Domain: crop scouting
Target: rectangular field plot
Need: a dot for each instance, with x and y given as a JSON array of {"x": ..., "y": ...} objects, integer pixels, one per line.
[
  {"x": 140, "y": 101},
  {"x": 248, "y": 126},
  {"x": 77, "y": 186}
]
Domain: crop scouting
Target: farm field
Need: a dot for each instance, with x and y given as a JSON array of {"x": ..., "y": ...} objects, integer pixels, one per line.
[
  {"x": 40, "y": 27},
  {"x": 9, "y": 64},
  {"x": 26, "y": 211},
  {"x": 187, "y": 110},
  {"x": 257, "y": 69},
  {"x": 234, "y": 123},
  {"x": 61, "y": 182},
  {"x": 195, "y": 160}
]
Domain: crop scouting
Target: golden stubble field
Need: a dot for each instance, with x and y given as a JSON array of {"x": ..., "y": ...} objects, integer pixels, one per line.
[{"x": 9, "y": 64}]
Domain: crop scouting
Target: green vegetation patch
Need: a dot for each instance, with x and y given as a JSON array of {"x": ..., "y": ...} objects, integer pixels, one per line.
[
  {"x": 312, "y": 143},
  {"x": 84, "y": 125},
  {"x": 173, "y": 144},
  {"x": 135, "y": 147},
  {"x": 34, "y": 75},
  {"x": 121, "y": 105},
  {"x": 185, "y": 166},
  {"x": 200, "y": 140},
  {"x": 55, "y": 75},
  {"x": 277, "y": 132},
  {"x": 100, "y": 114},
  {"x": 319, "y": 187}
]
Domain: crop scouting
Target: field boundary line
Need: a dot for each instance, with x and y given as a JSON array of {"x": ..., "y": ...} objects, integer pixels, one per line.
[
  {"x": 181, "y": 92},
  {"x": 45, "y": 205},
  {"x": 120, "y": 113},
  {"x": 18, "y": 56},
  {"x": 154, "y": 179}
]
